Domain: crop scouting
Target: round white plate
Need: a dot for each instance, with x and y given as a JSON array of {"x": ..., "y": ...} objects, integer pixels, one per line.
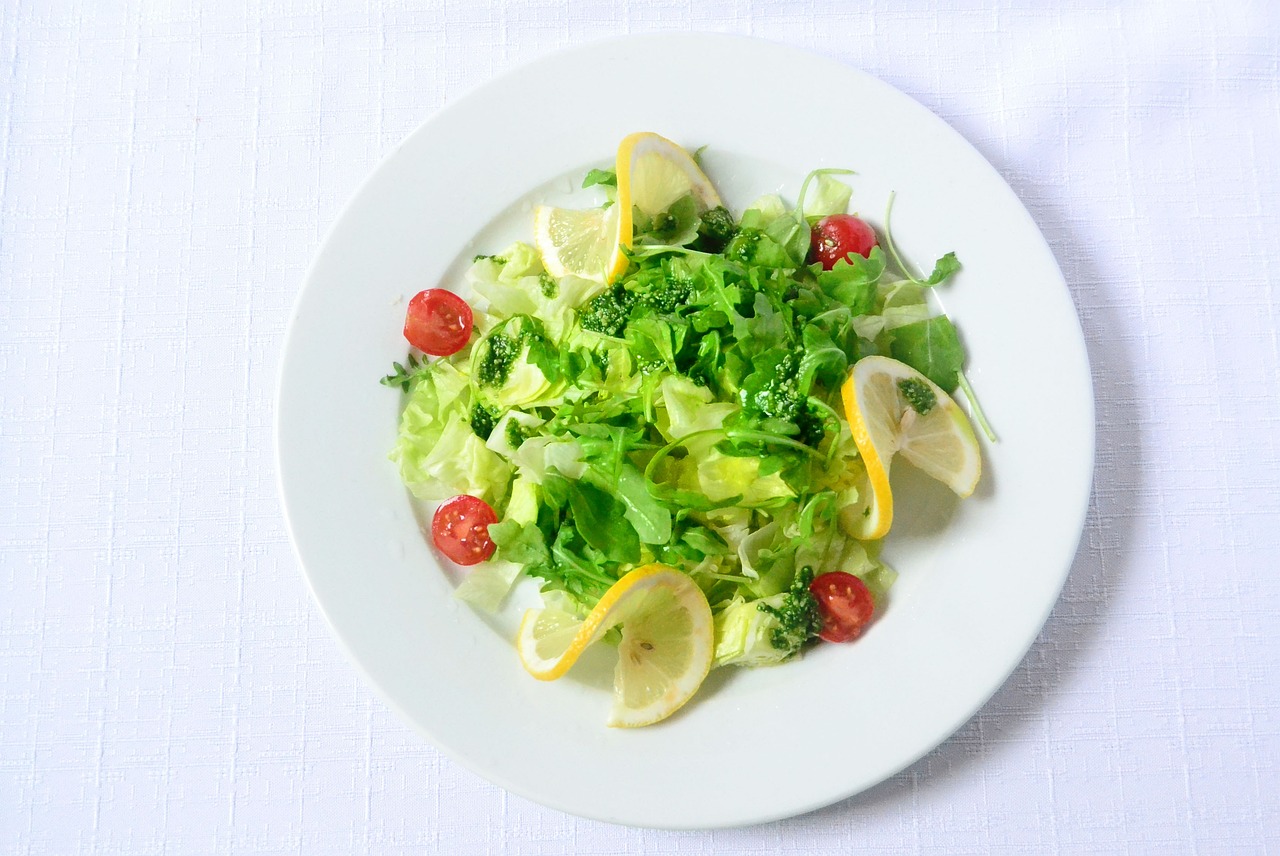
[{"x": 978, "y": 578}]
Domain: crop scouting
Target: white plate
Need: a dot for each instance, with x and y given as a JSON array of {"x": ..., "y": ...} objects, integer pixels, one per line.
[{"x": 977, "y": 579}]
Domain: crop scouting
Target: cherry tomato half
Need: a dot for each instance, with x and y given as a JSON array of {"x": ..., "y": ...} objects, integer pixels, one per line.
[
  {"x": 845, "y": 603},
  {"x": 438, "y": 322},
  {"x": 460, "y": 529},
  {"x": 838, "y": 236}
]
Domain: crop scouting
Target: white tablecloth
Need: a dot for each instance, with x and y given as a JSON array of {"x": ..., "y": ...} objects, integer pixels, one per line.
[{"x": 166, "y": 684}]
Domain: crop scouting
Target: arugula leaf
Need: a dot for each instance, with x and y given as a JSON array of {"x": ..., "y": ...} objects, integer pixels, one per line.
[
  {"x": 822, "y": 359},
  {"x": 705, "y": 541},
  {"x": 852, "y": 281},
  {"x": 942, "y": 269},
  {"x": 555, "y": 494},
  {"x": 606, "y": 177},
  {"x": 751, "y": 246},
  {"x": 655, "y": 340},
  {"x": 707, "y": 365},
  {"x": 600, "y": 520},
  {"x": 792, "y": 234},
  {"x": 577, "y": 568},
  {"x": 544, "y": 354},
  {"x": 606, "y": 448},
  {"x": 932, "y": 348},
  {"x": 709, "y": 318},
  {"x": 767, "y": 327},
  {"x": 650, "y": 518}
]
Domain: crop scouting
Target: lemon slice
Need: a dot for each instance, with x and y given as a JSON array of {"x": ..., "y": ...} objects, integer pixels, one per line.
[
  {"x": 654, "y": 173},
  {"x": 666, "y": 648},
  {"x": 582, "y": 243},
  {"x": 893, "y": 409}
]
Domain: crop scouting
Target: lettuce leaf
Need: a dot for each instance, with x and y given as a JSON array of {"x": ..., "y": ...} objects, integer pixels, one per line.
[
  {"x": 744, "y": 634},
  {"x": 827, "y": 196},
  {"x": 456, "y": 461},
  {"x": 722, "y": 476},
  {"x": 486, "y": 585}
]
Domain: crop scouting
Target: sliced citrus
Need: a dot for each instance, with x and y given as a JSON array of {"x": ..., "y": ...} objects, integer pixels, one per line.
[
  {"x": 655, "y": 173},
  {"x": 582, "y": 243},
  {"x": 666, "y": 647},
  {"x": 893, "y": 409}
]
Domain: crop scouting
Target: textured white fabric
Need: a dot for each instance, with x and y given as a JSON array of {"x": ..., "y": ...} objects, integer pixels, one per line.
[{"x": 166, "y": 684}]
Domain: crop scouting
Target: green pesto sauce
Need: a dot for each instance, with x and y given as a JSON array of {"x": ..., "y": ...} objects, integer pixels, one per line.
[
  {"x": 918, "y": 395},
  {"x": 483, "y": 419},
  {"x": 550, "y": 288},
  {"x": 499, "y": 356},
  {"x": 516, "y": 434}
]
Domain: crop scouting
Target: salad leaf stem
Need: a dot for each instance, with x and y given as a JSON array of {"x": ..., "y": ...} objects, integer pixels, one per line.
[
  {"x": 829, "y": 411},
  {"x": 657, "y": 490},
  {"x": 804, "y": 186},
  {"x": 774, "y": 439},
  {"x": 888, "y": 239},
  {"x": 644, "y": 251},
  {"x": 724, "y": 578},
  {"x": 829, "y": 414},
  {"x": 943, "y": 268},
  {"x": 977, "y": 408}
]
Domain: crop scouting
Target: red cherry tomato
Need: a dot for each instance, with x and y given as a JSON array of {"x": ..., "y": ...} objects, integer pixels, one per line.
[
  {"x": 438, "y": 322},
  {"x": 460, "y": 529},
  {"x": 838, "y": 236},
  {"x": 845, "y": 603}
]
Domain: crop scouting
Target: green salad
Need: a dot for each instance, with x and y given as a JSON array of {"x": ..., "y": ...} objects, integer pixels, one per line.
[{"x": 687, "y": 413}]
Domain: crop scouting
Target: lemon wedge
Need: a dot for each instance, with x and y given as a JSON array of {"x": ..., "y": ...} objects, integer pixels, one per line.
[
  {"x": 893, "y": 409},
  {"x": 585, "y": 243},
  {"x": 666, "y": 649}
]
